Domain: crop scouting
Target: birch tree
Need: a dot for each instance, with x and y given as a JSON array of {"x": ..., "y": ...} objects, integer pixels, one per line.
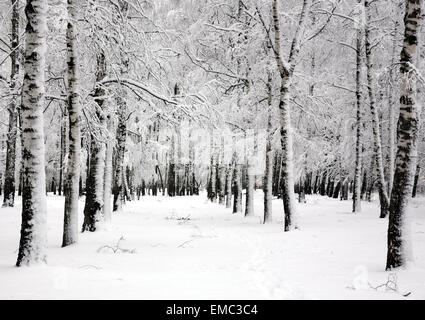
[
  {"x": 9, "y": 172},
  {"x": 32, "y": 245},
  {"x": 72, "y": 177},
  {"x": 107, "y": 180},
  {"x": 391, "y": 117},
  {"x": 358, "y": 163},
  {"x": 407, "y": 131},
  {"x": 286, "y": 71},
  {"x": 383, "y": 195},
  {"x": 268, "y": 174},
  {"x": 121, "y": 135},
  {"x": 93, "y": 206}
]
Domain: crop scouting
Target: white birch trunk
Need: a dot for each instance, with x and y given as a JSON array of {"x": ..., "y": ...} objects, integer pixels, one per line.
[
  {"x": 9, "y": 171},
  {"x": 32, "y": 245},
  {"x": 121, "y": 137},
  {"x": 237, "y": 185},
  {"x": 222, "y": 175},
  {"x": 72, "y": 178},
  {"x": 249, "y": 204},
  {"x": 93, "y": 206},
  {"x": 383, "y": 195},
  {"x": 391, "y": 125},
  {"x": 107, "y": 180},
  {"x": 288, "y": 194},
  {"x": 268, "y": 174},
  {"x": 398, "y": 228},
  {"x": 359, "y": 154}
]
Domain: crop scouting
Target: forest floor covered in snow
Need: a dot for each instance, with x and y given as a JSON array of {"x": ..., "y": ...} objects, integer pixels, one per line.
[{"x": 189, "y": 248}]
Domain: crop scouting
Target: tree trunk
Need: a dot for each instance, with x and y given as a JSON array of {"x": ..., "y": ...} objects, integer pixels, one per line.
[
  {"x": 407, "y": 131},
  {"x": 284, "y": 109},
  {"x": 371, "y": 179},
  {"x": 191, "y": 164},
  {"x": 415, "y": 183},
  {"x": 249, "y": 203},
  {"x": 120, "y": 151},
  {"x": 171, "y": 189},
  {"x": 222, "y": 176},
  {"x": 330, "y": 187},
  {"x": 179, "y": 164},
  {"x": 107, "y": 179},
  {"x": 126, "y": 190},
  {"x": 307, "y": 185},
  {"x": 275, "y": 173},
  {"x": 32, "y": 244},
  {"x": 9, "y": 172},
  {"x": 301, "y": 191},
  {"x": 364, "y": 185},
  {"x": 250, "y": 179},
  {"x": 322, "y": 190},
  {"x": 279, "y": 177},
  {"x": 337, "y": 190},
  {"x": 229, "y": 180},
  {"x": 53, "y": 186},
  {"x": 237, "y": 189},
  {"x": 70, "y": 227},
  {"x": 358, "y": 165},
  {"x": 213, "y": 172},
  {"x": 268, "y": 174},
  {"x": 316, "y": 184},
  {"x": 80, "y": 186},
  {"x": 344, "y": 189},
  {"x": 391, "y": 120},
  {"x": 21, "y": 178},
  {"x": 94, "y": 186},
  {"x": 384, "y": 201},
  {"x": 62, "y": 151}
]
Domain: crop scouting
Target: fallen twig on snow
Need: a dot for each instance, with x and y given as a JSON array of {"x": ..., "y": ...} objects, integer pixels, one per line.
[
  {"x": 184, "y": 243},
  {"x": 181, "y": 219},
  {"x": 117, "y": 248},
  {"x": 390, "y": 285}
]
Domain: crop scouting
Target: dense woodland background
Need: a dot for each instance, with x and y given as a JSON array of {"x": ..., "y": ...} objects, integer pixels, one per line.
[{"x": 118, "y": 99}]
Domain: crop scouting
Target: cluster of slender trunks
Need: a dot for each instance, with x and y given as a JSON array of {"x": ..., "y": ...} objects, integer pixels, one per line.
[{"x": 107, "y": 177}]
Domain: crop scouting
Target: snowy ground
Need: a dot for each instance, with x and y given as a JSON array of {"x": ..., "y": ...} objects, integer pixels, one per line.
[{"x": 212, "y": 254}]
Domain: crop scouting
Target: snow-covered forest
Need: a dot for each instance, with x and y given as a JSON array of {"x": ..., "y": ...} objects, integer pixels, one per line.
[{"x": 195, "y": 149}]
